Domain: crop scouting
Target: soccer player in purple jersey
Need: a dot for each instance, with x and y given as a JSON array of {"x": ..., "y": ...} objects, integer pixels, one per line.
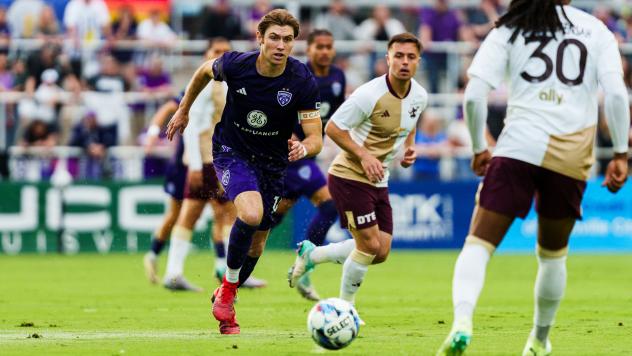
[
  {"x": 303, "y": 177},
  {"x": 252, "y": 144}
]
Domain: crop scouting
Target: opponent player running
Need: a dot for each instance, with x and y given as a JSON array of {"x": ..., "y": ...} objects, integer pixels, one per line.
[
  {"x": 175, "y": 178},
  {"x": 555, "y": 56},
  {"x": 375, "y": 121},
  {"x": 303, "y": 177},
  {"x": 251, "y": 144}
]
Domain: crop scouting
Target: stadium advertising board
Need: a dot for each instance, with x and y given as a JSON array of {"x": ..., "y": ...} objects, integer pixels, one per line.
[{"x": 98, "y": 217}]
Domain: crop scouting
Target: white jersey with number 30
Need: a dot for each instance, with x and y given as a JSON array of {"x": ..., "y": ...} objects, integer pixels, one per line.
[{"x": 552, "y": 108}]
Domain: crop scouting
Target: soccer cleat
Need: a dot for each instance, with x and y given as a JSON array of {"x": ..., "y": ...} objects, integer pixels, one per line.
[
  {"x": 306, "y": 289},
  {"x": 303, "y": 263},
  {"x": 458, "y": 340},
  {"x": 223, "y": 305},
  {"x": 253, "y": 282},
  {"x": 229, "y": 327},
  {"x": 179, "y": 283},
  {"x": 151, "y": 267},
  {"x": 535, "y": 347}
]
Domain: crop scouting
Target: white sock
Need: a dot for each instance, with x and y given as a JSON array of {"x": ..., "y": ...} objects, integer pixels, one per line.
[
  {"x": 550, "y": 284},
  {"x": 468, "y": 280},
  {"x": 353, "y": 272},
  {"x": 220, "y": 262},
  {"x": 178, "y": 250},
  {"x": 334, "y": 252},
  {"x": 232, "y": 275}
]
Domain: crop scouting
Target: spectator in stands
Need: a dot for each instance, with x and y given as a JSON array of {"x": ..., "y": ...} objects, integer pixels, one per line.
[
  {"x": 155, "y": 31},
  {"x": 154, "y": 78},
  {"x": 48, "y": 97},
  {"x": 95, "y": 140},
  {"x": 23, "y": 17},
  {"x": 219, "y": 20},
  {"x": 38, "y": 134},
  {"x": 481, "y": 19},
  {"x": 604, "y": 13},
  {"x": 438, "y": 24},
  {"x": 86, "y": 21},
  {"x": 49, "y": 57},
  {"x": 20, "y": 74},
  {"x": 47, "y": 25},
  {"x": 124, "y": 29},
  {"x": 259, "y": 8},
  {"x": 106, "y": 98},
  {"x": 337, "y": 21},
  {"x": 431, "y": 143},
  {"x": 6, "y": 75},
  {"x": 380, "y": 27},
  {"x": 5, "y": 30}
]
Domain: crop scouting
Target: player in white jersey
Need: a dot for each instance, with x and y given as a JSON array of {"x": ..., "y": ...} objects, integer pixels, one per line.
[
  {"x": 554, "y": 56},
  {"x": 370, "y": 127}
]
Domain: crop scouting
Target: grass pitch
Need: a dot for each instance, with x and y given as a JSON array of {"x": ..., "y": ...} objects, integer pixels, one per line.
[{"x": 103, "y": 305}]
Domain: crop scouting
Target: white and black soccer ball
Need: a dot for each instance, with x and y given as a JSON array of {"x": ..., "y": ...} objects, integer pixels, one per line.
[{"x": 333, "y": 323}]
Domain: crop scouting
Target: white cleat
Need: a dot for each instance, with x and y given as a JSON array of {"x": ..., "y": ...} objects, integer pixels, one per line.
[
  {"x": 253, "y": 282},
  {"x": 306, "y": 289},
  {"x": 458, "y": 340},
  {"x": 179, "y": 283},
  {"x": 150, "y": 261},
  {"x": 303, "y": 264},
  {"x": 535, "y": 347}
]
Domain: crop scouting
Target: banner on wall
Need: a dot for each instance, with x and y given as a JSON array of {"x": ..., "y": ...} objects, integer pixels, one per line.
[
  {"x": 429, "y": 215},
  {"x": 140, "y": 8},
  {"x": 98, "y": 217}
]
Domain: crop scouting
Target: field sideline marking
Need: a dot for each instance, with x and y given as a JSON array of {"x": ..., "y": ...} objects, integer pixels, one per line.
[{"x": 18, "y": 336}]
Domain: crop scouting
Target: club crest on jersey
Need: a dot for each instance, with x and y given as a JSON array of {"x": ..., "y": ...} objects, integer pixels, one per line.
[
  {"x": 257, "y": 119},
  {"x": 284, "y": 97},
  {"x": 225, "y": 177},
  {"x": 336, "y": 88}
]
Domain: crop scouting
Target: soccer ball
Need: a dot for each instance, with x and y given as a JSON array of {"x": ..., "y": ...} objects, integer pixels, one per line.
[{"x": 333, "y": 323}]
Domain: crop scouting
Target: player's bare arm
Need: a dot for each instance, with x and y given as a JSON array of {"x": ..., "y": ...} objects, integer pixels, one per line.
[
  {"x": 313, "y": 142},
  {"x": 163, "y": 113},
  {"x": 372, "y": 166},
  {"x": 410, "y": 154},
  {"x": 201, "y": 78}
]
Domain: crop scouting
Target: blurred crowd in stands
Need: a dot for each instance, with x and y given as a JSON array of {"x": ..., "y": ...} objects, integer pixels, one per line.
[{"x": 78, "y": 73}]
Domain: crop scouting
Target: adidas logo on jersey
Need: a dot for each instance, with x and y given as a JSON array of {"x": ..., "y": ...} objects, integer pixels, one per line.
[
  {"x": 242, "y": 91},
  {"x": 385, "y": 114}
]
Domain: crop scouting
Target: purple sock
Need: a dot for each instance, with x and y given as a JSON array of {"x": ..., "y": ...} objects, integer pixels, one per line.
[
  {"x": 247, "y": 268},
  {"x": 239, "y": 244},
  {"x": 157, "y": 245},
  {"x": 220, "y": 249},
  {"x": 322, "y": 221}
]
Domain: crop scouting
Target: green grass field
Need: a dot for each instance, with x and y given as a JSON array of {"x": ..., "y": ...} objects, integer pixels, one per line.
[{"x": 102, "y": 305}]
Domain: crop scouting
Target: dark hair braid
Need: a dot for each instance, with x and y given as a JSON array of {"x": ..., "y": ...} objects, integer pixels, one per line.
[{"x": 533, "y": 18}]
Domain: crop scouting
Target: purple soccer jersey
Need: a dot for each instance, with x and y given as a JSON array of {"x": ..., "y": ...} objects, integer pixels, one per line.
[{"x": 261, "y": 112}]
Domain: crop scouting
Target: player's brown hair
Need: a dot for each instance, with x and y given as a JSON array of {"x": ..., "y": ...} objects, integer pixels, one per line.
[
  {"x": 279, "y": 17},
  {"x": 533, "y": 18},
  {"x": 405, "y": 37}
]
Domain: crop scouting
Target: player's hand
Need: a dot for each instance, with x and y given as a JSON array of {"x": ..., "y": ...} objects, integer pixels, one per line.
[
  {"x": 480, "y": 163},
  {"x": 616, "y": 173},
  {"x": 373, "y": 168},
  {"x": 178, "y": 123},
  {"x": 194, "y": 178},
  {"x": 410, "y": 156},
  {"x": 297, "y": 150}
]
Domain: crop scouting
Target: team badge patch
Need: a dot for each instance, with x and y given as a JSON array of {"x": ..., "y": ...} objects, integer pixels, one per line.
[
  {"x": 225, "y": 177},
  {"x": 284, "y": 97},
  {"x": 336, "y": 88}
]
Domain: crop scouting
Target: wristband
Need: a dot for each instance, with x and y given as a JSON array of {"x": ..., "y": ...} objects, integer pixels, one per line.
[{"x": 153, "y": 130}]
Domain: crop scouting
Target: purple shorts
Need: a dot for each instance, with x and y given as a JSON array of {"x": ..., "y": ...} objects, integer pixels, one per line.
[
  {"x": 361, "y": 205},
  {"x": 238, "y": 175},
  {"x": 510, "y": 186},
  {"x": 303, "y": 178},
  {"x": 210, "y": 188},
  {"x": 175, "y": 179}
]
